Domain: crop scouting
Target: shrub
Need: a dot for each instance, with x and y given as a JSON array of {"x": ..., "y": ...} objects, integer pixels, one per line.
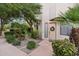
[
  {"x": 15, "y": 25},
  {"x": 16, "y": 42},
  {"x": 34, "y": 34},
  {"x": 6, "y": 27},
  {"x": 8, "y": 33},
  {"x": 24, "y": 28},
  {"x": 64, "y": 48},
  {"x": 20, "y": 30},
  {"x": 11, "y": 39},
  {"x": 31, "y": 45}
]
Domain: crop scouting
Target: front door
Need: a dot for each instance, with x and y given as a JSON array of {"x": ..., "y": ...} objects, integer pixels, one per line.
[{"x": 52, "y": 31}]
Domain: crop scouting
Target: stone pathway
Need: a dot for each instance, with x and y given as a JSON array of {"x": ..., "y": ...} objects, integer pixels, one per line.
[{"x": 9, "y": 50}]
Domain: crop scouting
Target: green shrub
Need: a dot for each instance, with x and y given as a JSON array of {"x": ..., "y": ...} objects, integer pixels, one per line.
[
  {"x": 16, "y": 42},
  {"x": 10, "y": 38},
  {"x": 20, "y": 30},
  {"x": 24, "y": 28},
  {"x": 34, "y": 34},
  {"x": 18, "y": 33},
  {"x": 6, "y": 27},
  {"x": 8, "y": 33},
  {"x": 31, "y": 45},
  {"x": 64, "y": 48},
  {"x": 15, "y": 25}
]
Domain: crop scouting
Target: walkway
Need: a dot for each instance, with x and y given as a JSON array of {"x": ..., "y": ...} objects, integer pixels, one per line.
[
  {"x": 45, "y": 49},
  {"x": 9, "y": 50}
]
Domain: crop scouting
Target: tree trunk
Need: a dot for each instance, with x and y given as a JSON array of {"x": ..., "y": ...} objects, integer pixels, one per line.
[
  {"x": 37, "y": 26},
  {"x": 1, "y": 26},
  {"x": 31, "y": 29},
  {"x": 74, "y": 36}
]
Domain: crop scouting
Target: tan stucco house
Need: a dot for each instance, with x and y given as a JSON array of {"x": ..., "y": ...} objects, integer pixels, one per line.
[{"x": 51, "y": 28}]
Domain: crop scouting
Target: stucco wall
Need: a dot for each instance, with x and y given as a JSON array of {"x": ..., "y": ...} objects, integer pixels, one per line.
[
  {"x": 62, "y": 7},
  {"x": 44, "y": 16},
  {"x": 52, "y": 10}
]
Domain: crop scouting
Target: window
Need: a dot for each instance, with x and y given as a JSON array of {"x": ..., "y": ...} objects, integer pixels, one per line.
[
  {"x": 46, "y": 30},
  {"x": 65, "y": 29}
]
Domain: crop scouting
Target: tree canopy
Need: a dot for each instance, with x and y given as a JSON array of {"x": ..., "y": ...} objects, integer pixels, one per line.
[
  {"x": 17, "y": 9},
  {"x": 26, "y": 10}
]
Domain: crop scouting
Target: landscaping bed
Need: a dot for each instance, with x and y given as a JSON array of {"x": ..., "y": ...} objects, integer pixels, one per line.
[
  {"x": 23, "y": 46},
  {"x": 27, "y": 45},
  {"x": 22, "y": 37}
]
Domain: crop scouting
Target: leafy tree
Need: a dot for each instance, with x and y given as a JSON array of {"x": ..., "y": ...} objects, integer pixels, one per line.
[
  {"x": 14, "y": 10},
  {"x": 30, "y": 12},
  {"x": 6, "y": 12}
]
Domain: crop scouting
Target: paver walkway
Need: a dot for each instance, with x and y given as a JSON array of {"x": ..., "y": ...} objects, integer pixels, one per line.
[
  {"x": 9, "y": 50},
  {"x": 45, "y": 49}
]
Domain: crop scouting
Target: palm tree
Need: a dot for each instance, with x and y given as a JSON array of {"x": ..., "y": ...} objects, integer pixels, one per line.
[{"x": 71, "y": 16}]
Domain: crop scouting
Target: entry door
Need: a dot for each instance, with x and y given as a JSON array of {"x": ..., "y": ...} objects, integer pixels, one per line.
[{"x": 52, "y": 31}]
